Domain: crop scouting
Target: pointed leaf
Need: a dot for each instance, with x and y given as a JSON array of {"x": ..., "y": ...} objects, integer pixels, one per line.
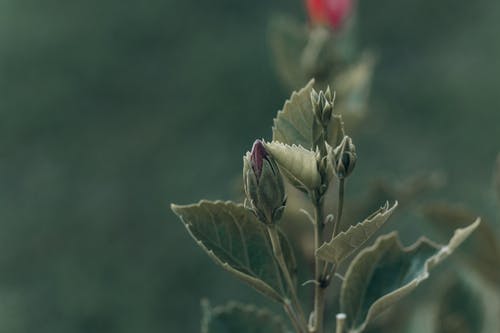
[
  {"x": 386, "y": 272},
  {"x": 299, "y": 165},
  {"x": 239, "y": 318},
  {"x": 233, "y": 237},
  {"x": 294, "y": 124},
  {"x": 346, "y": 242},
  {"x": 482, "y": 251}
]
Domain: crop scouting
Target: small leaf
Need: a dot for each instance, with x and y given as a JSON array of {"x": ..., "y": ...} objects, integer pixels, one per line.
[
  {"x": 346, "y": 242},
  {"x": 460, "y": 310},
  {"x": 239, "y": 318},
  {"x": 294, "y": 124},
  {"x": 299, "y": 165},
  {"x": 386, "y": 272},
  {"x": 233, "y": 237}
]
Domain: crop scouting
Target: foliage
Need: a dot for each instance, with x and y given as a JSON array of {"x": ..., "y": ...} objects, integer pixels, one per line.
[{"x": 253, "y": 247}]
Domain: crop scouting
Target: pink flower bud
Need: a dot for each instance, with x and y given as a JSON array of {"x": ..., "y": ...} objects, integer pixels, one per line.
[
  {"x": 263, "y": 184},
  {"x": 330, "y": 12},
  {"x": 257, "y": 157}
]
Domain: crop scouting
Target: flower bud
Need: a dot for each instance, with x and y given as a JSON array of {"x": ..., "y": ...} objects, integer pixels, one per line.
[
  {"x": 329, "y": 12},
  {"x": 345, "y": 158},
  {"x": 263, "y": 184},
  {"x": 322, "y": 103}
]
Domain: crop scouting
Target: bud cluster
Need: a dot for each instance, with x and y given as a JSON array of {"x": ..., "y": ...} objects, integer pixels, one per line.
[
  {"x": 345, "y": 158},
  {"x": 263, "y": 183},
  {"x": 323, "y": 103}
]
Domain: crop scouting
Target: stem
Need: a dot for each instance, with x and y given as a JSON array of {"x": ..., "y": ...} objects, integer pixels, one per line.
[
  {"x": 319, "y": 287},
  {"x": 339, "y": 208},
  {"x": 278, "y": 254},
  {"x": 340, "y": 322},
  {"x": 293, "y": 316},
  {"x": 336, "y": 227}
]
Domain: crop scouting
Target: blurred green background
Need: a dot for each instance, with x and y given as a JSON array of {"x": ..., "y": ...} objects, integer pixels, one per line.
[{"x": 110, "y": 110}]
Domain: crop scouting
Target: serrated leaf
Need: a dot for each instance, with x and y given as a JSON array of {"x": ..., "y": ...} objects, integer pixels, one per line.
[
  {"x": 233, "y": 237},
  {"x": 299, "y": 165},
  {"x": 460, "y": 309},
  {"x": 239, "y": 318},
  {"x": 294, "y": 124},
  {"x": 384, "y": 273},
  {"x": 346, "y": 242},
  {"x": 482, "y": 252}
]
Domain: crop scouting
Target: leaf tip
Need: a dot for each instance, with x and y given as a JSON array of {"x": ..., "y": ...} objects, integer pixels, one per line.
[{"x": 175, "y": 208}]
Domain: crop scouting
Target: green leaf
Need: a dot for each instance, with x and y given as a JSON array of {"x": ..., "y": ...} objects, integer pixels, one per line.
[
  {"x": 299, "y": 165},
  {"x": 353, "y": 87},
  {"x": 287, "y": 39},
  {"x": 294, "y": 124},
  {"x": 239, "y": 318},
  {"x": 386, "y": 272},
  {"x": 482, "y": 251},
  {"x": 346, "y": 242},
  {"x": 460, "y": 309},
  {"x": 233, "y": 237}
]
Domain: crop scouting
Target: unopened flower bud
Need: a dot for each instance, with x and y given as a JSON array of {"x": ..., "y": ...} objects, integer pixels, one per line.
[
  {"x": 263, "y": 184},
  {"x": 322, "y": 103},
  {"x": 329, "y": 12},
  {"x": 345, "y": 158}
]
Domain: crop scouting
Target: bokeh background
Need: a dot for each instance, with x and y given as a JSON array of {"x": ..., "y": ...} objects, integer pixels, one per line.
[{"x": 111, "y": 110}]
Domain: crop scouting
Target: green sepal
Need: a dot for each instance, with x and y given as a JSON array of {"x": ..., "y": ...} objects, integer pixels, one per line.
[{"x": 266, "y": 195}]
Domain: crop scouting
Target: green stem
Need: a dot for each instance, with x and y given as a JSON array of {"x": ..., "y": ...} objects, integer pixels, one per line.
[
  {"x": 339, "y": 208},
  {"x": 319, "y": 287},
  {"x": 278, "y": 254},
  {"x": 293, "y": 317},
  {"x": 340, "y": 323},
  {"x": 336, "y": 227}
]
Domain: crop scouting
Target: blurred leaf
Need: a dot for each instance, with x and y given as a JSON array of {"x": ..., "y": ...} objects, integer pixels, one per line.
[
  {"x": 346, "y": 242},
  {"x": 353, "y": 87},
  {"x": 299, "y": 165},
  {"x": 294, "y": 124},
  {"x": 386, "y": 272},
  {"x": 460, "y": 310},
  {"x": 287, "y": 39},
  {"x": 239, "y": 318},
  {"x": 482, "y": 251},
  {"x": 233, "y": 237}
]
